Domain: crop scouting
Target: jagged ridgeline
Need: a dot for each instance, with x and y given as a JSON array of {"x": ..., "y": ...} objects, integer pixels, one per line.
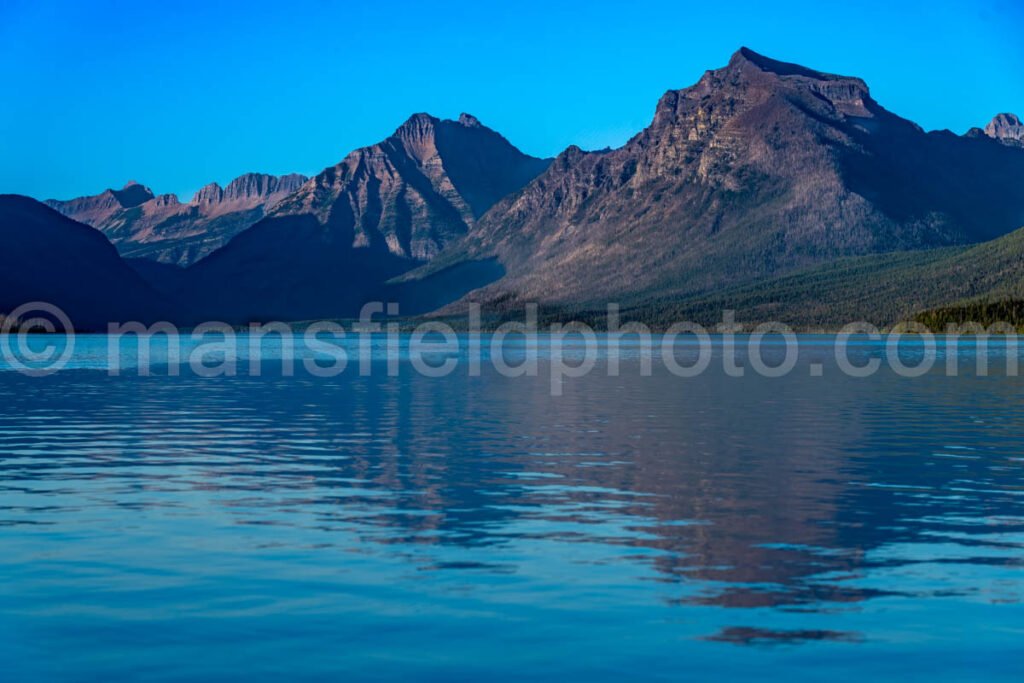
[
  {"x": 779, "y": 191},
  {"x": 161, "y": 228},
  {"x": 759, "y": 170},
  {"x": 383, "y": 210}
]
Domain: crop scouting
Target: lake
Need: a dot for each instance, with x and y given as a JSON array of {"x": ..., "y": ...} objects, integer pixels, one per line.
[{"x": 467, "y": 528}]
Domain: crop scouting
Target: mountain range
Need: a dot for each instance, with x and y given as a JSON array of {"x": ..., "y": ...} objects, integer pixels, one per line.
[
  {"x": 162, "y": 228},
  {"x": 381, "y": 211},
  {"x": 760, "y": 169},
  {"x": 763, "y": 179}
]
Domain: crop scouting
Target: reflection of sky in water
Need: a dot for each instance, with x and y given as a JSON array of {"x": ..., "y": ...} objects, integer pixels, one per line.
[
  {"x": 840, "y": 528},
  {"x": 128, "y": 352}
]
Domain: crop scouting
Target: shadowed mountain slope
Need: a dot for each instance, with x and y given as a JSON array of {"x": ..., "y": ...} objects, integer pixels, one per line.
[{"x": 51, "y": 258}]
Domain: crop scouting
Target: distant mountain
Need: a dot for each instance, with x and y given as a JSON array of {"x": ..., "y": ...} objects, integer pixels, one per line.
[
  {"x": 51, "y": 258},
  {"x": 760, "y": 169},
  {"x": 382, "y": 210},
  {"x": 161, "y": 228},
  {"x": 1006, "y": 128}
]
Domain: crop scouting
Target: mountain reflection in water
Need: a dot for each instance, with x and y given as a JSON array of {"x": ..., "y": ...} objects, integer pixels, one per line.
[{"x": 395, "y": 527}]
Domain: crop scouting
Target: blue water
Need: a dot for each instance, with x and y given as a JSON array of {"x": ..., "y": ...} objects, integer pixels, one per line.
[{"x": 478, "y": 528}]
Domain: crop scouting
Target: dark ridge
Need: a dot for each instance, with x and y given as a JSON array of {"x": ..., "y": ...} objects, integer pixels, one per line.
[
  {"x": 444, "y": 287},
  {"x": 51, "y": 258},
  {"x": 132, "y": 195}
]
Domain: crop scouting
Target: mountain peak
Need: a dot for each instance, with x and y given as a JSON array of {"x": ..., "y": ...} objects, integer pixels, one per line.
[
  {"x": 751, "y": 80},
  {"x": 417, "y": 124},
  {"x": 745, "y": 56},
  {"x": 132, "y": 194},
  {"x": 469, "y": 121},
  {"x": 1005, "y": 127},
  {"x": 210, "y": 193},
  {"x": 250, "y": 186}
]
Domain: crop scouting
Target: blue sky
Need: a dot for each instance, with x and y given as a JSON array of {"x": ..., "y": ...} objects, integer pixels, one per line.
[{"x": 97, "y": 93}]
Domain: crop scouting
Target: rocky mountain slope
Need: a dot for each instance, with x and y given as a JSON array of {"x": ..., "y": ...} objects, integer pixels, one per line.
[
  {"x": 382, "y": 210},
  {"x": 760, "y": 169},
  {"x": 882, "y": 289},
  {"x": 161, "y": 228},
  {"x": 1006, "y": 128},
  {"x": 764, "y": 179},
  {"x": 51, "y": 258}
]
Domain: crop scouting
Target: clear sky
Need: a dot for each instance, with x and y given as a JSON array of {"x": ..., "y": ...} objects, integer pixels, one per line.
[{"x": 97, "y": 93}]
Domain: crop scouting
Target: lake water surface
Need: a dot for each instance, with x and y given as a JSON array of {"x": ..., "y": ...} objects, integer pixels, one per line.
[{"x": 478, "y": 528}]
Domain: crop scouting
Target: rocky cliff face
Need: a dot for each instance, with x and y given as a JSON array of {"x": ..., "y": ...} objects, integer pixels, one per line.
[
  {"x": 247, "y": 191},
  {"x": 1006, "y": 128},
  {"x": 418, "y": 190},
  {"x": 160, "y": 227},
  {"x": 382, "y": 210},
  {"x": 99, "y": 209},
  {"x": 760, "y": 168}
]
